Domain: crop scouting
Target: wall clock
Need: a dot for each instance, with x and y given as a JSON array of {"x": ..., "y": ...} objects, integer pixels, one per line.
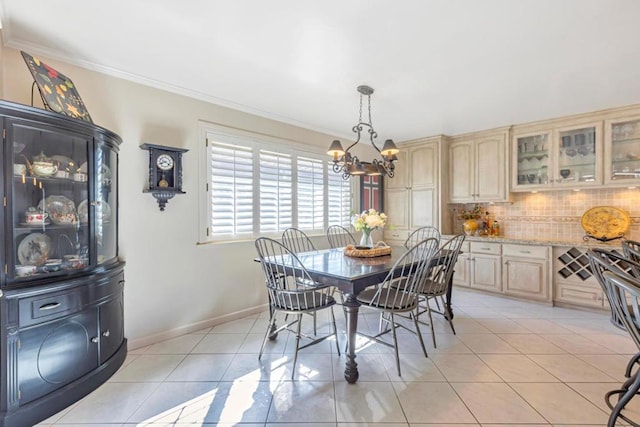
[{"x": 165, "y": 172}]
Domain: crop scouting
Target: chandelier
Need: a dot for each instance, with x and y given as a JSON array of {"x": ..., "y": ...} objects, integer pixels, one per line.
[{"x": 347, "y": 164}]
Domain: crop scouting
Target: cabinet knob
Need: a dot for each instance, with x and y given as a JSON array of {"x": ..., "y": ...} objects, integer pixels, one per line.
[
  {"x": 95, "y": 340},
  {"x": 106, "y": 333}
]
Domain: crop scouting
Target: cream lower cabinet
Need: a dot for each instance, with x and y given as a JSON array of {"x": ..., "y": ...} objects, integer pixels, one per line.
[
  {"x": 573, "y": 281},
  {"x": 414, "y": 197},
  {"x": 480, "y": 268},
  {"x": 525, "y": 271},
  {"x": 461, "y": 270}
]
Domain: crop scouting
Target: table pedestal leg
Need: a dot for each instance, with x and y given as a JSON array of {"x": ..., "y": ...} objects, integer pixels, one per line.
[{"x": 351, "y": 307}]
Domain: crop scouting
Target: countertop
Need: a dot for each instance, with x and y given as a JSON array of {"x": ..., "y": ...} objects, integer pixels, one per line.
[{"x": 543, "y": 241}]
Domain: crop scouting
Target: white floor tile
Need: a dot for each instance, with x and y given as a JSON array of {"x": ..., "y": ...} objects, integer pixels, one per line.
[
  {"x": 496, "y": 403},
  {"x": 432, "y": 403},
  {"x": 312, "y": 401},
  {"x": 367, "y": 402},
  {"x": 559, "y": 404},
  {"x": 517, "y": 368}
]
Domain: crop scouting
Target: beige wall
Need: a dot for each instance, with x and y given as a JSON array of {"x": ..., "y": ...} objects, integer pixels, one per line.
[{"x": 173, "y": 285}]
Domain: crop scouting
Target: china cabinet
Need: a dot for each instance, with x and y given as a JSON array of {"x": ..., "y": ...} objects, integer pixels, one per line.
[
  {"x": 414, "y": 197},
  {"x": 62, "y": 282},
  {"x": 622, "y": 151},
  {"x": 479, "y": 167},
  {"x": 568, "y": 156}
]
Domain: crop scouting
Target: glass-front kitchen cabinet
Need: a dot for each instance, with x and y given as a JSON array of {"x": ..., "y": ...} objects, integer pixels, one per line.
[
  {"x": 62, "y": 282},
  {"x": 622, "y": 151},
  {"x": 564, "y": 157}
]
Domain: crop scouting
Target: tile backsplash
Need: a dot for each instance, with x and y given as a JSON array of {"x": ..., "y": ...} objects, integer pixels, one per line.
[{"x": 555, "y": 215}]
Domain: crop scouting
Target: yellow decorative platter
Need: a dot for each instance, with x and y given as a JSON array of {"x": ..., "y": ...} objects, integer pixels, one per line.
[{"x": 605, "y": 222}]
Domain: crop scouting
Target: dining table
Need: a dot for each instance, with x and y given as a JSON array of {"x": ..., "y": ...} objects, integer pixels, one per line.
[{"x": 351, "y": 275}]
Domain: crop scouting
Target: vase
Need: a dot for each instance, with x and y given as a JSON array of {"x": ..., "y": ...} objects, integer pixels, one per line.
[
  {"x": 470, "y": 226},
  {"x": 366, "y": 239}
]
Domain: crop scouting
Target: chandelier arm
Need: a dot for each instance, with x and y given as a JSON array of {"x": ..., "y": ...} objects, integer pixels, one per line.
[{"x": 357, "y": 129}]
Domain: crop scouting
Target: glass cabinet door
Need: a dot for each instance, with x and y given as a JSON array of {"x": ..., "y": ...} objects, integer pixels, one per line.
[
  {"x": 532, "y": 155},
  {"x": 577, "y": 153},
  {"x": 49, "y": 180},
  {"x": 622, "y": 155},
  {"x": 105, "y": 204}
]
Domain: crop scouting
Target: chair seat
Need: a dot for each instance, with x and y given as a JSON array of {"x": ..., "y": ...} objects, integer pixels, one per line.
[
  {"x": 370, "y": 298},
  {"x": 299, "y": 302}
]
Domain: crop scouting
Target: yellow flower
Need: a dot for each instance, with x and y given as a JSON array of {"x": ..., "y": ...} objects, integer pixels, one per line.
[{"x": 369, "y": 220}]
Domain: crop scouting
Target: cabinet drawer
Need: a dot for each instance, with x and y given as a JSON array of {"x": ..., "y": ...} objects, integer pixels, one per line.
[
  {"x": 580, "y": 295},
  {"x": 485, "y": 248},
  {"x": 525, "y": 251},
  {"x": 48, "y": 307}
]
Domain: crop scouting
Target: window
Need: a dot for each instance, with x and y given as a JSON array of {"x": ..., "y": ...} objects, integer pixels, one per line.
[{"x": 257, "y": 185}]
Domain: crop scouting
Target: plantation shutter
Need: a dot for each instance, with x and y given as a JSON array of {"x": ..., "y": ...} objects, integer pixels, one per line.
[
  {"x": 310, "y": 194},
  {"x": 231, "y": 190},
  {"x": 276, "y": 191}
]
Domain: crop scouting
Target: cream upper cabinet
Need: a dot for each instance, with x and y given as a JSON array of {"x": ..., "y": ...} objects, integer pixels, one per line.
[
  {"x": 564, "y": 156},
  {"x": 413, "y": 198},
  {"x": 622, "y": 151},
  {"x": 478, "y": 168}
]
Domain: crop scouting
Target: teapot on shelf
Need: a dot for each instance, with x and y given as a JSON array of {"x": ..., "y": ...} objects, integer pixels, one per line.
[{"x": 41, "y": 165}]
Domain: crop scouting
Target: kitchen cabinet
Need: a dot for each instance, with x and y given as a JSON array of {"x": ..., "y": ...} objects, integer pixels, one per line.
[
  {"x": 461, "y": 269},
  {"x": 622, "y": 151},
  {"x": 573, "y": 281},
  {"x": 479, "y": 167},
  {"x": 558, "y": 154},
  {"x": 568, "y": 155},
  {"x": 61, "y": 299},
  {"x": 414, "y": 197},
  {"x": 483, "y": 269},
  {"x": 525, "y": 271}
]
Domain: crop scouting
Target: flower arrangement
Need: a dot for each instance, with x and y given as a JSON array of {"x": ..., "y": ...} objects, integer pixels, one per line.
[
  {"x": 369, "y": 220},
  {"x": 475, "y": 213}
]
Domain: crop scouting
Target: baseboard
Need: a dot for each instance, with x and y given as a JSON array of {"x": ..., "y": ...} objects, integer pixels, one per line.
[{"x": 136, "y": 343}]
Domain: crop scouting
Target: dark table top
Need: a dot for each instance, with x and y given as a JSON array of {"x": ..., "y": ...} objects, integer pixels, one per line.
[{"x": 349, "y": 274}]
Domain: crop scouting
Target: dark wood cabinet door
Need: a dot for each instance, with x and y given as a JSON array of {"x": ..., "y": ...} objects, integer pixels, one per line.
[
  {"x": 57, "y": 353},
  {"x": 111, "y": 327}
]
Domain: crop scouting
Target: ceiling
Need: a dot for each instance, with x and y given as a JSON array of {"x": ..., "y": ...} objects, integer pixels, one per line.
[{"x": 437, "y": 66}]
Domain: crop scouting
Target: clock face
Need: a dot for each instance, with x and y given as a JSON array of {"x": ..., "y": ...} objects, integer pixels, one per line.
[{"x": 164, "y": 162}]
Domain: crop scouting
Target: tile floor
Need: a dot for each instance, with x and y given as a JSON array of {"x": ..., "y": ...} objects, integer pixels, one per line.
[{"x": 511, "y": 363}]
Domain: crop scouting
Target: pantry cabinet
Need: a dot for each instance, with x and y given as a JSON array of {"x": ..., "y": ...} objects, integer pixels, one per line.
[{"x": 414, "y": 197}]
